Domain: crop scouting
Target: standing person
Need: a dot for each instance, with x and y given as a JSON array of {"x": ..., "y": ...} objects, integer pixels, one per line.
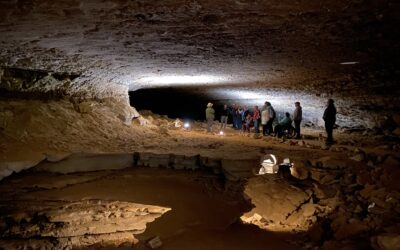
[
  {"x": 330, "y": 119},
  {"x": 239, "y": 117},
  {"x": 256, "y": 119},
  {"x": 271, "y": 118},
  {"x": 247, "y": 123},
  {"x": 244, "y": 115},
  {"x": 297, "y": 117},
  {"x": 264, "y": 119},
  {"x": 210, "y": 115},
  {"x": 224, "y": 117},
  {"x": 233, "y": 112}
]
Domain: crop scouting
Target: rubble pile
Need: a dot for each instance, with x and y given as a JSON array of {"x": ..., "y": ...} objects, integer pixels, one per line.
[{"x": 336, "y": 202}]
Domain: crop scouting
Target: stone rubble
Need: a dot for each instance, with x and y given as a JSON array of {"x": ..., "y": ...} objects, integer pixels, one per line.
[{"x": 337, "y": 203}]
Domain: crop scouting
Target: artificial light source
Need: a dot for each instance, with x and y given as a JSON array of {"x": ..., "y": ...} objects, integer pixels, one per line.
[
  {"x": 221, "y": 132},
  {"x": 268, "y": 165},
  {"x": 348, "y": 63},
  {"x": 186, "y": 125},
  {"x": 181, "y": 79}
]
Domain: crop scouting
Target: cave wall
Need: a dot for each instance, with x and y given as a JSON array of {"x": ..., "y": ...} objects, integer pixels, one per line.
[{"x": 283, "y": 51}]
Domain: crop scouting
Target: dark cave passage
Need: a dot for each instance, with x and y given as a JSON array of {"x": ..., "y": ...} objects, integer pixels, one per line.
[{"x": 183, "y": 103}]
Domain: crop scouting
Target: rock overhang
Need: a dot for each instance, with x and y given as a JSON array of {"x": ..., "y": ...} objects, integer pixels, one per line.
[{"x": 277, "y": 49}]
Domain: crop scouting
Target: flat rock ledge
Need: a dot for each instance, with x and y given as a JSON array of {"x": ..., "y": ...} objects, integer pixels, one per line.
[{"x": 67, "y": 225}]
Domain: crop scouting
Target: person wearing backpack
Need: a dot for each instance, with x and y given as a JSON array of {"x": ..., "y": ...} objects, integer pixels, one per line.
[{"x": 271, "y": 117}]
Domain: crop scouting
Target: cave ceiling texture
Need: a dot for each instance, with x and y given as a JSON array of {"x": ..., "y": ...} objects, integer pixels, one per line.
[{"x": 245, "y": 51}]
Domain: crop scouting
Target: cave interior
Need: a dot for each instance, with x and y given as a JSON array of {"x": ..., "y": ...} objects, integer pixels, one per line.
[{"x": 103, "y": 131}]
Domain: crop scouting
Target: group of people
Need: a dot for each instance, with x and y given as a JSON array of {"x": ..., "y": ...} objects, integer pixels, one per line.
[{"x": 243, "y": 119}]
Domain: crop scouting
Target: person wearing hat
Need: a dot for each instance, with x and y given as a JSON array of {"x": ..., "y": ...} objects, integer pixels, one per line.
[
  {"x": 330, "y": 119},
  {"x": 297, "y": 117},
  {"x": 210, "y": 115}
]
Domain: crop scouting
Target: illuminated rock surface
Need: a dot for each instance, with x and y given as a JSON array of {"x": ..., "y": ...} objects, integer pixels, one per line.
[
  {"x": 246, "y": 51},
  {"x": 66, "y": 68}
]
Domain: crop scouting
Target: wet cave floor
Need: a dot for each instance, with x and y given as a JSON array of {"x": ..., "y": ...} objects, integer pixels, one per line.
[{"x": 204, "y": 212}]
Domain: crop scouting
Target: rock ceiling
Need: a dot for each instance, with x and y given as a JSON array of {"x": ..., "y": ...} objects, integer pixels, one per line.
[{"x": 285, "y": 46}]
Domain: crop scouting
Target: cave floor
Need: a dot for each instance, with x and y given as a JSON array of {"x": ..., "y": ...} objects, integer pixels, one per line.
[
  {"x": 336, "y": 189},
  {"x": 203, "y": 215}
]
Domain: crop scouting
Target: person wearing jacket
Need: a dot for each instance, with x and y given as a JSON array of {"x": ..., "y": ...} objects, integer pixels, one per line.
[
  {"x": 297, "y": 117},
  {"x": 210, "y": 115},
  {"x": 271, "y": 117},
  {"x": 284, "y": 123},
  {"x": 256, "y": 119},
  {"x": 264, "y": 120},
  {"x": 224, "y": 117},
  {"x": 233, "y": 114},
  {"x": 239, "y": 122},
  {"x": 330, "y": 119},
  {"x": 245, "y": 112}
]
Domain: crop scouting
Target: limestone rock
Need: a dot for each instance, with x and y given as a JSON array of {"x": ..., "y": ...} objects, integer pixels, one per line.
[
  {"x": 88, "y": 217},
  {"x": 8, "y": 167},
  {"x": 388, "y": 124},
  {"x": 324, "y": 191},
  {"x": 386, "y": 242},
  {"x": 348, "y": 229},
  {"x": 76, "y": 224},
  {"x": 316, "y": 174},
  {"x": 391, "y": 161},
  {"x": 396, "y": 132},
  {"x": 57, "y": 157},
  {"x": 363, "y": 178},
  {"x": 273, "y": 199},
  {"x": 87, "y": 162},
  {"x": 300, "y": 170},
  {"x": 5, "y": 118},
  {"x": 85, "y": 107},
  {"x": 396, "y": 119},
  {"x": 329, "y": 163},
  {"x": 327, "y": 178},
  {"x": 154, "y": 243},
  {"x": 309, "y": 209},
  {"x": 358, "y": 157},
  {"x": 163, "y": 129}
]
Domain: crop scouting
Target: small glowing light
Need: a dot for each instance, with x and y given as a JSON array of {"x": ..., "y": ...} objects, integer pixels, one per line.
[
  {"x": 186, "y": 125},
  {"x": 349, "y": 63},
  {"x": 221, "y": 132}
]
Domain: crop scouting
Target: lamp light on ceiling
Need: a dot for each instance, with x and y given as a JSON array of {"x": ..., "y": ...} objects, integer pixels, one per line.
[
  {"x": 181, "y": 79},
  {"x": 349, "y": 63}
]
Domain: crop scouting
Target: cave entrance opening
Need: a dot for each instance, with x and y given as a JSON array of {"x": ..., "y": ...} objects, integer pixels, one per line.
[{"x": 175, "y": 102}]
